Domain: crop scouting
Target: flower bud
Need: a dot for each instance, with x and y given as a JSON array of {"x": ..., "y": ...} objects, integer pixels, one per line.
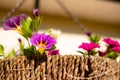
[{"x": 36, "y": 12}]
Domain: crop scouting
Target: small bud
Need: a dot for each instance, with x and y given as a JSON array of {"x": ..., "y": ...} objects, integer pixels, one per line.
[
  {"x": 102, "y": 53},
  {"x": 53, "y": 52},
  {"x": 36, "y": 12},
  {"x": 18, "y": 53},
  {"x": 88, "y": 33},
  {"x": 20, "y": 41}
]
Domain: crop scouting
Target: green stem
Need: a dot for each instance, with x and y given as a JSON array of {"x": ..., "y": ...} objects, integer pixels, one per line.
[{"x": 28, "y": 42}]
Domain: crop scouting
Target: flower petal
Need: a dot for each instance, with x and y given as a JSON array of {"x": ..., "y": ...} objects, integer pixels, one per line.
[
  {"x": 116, "y": 49},
  {"x": 13, "y": 22},
  {"x": 89, "y": 46},
  {"x": 53, "y": 52},
  {"x": 35, "y": 39},
  {"x": 111, "y": 43}
]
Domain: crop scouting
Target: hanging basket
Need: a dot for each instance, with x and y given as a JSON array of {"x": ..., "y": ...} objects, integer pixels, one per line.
[{"x": 59, "y": 68}]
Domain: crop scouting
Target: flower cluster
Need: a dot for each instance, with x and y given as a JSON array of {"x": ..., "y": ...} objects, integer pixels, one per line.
[
  {"x": 39, "y": 43},
  {"x": 112, "y": 51},
  {"x": 113, "y": 48}
]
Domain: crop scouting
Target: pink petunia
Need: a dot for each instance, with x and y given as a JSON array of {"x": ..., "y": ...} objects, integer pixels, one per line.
[{"x": 89, "y": 46}]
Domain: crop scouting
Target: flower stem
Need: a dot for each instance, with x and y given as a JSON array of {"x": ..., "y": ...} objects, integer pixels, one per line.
[{"x": 28, "y": 42}]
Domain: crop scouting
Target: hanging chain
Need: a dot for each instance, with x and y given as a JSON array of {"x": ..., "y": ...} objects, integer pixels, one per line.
[
  {"x": 82, "y": 27},
  {"x": 13, "y": 10},
  {"x": 36, "y": 6}
]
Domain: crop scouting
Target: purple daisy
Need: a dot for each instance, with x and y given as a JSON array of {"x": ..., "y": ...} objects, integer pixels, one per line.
[
  {"x": 14, "y": 22},
  {"x": 89, "y": 46},
  {"x": 43, "y": 42}
]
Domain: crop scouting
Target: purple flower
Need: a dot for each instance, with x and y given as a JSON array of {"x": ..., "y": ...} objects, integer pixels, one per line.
[
  {"x": 102, "y": 53},
  {"x": 89, "y": 46},
  {"x": 111, "y": 43},
  {"x": 43, "y": 42},
  {"x": 53, "y": 52},
  {"x": 36, "y": 12},
  {"x": 14, "y": 23},
  {"x": 116, "y": 49}
]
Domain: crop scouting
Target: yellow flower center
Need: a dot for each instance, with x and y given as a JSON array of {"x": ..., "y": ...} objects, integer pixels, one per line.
[
  {"x": 41, "y": 47},
  {"x": 19, "y": 29}
]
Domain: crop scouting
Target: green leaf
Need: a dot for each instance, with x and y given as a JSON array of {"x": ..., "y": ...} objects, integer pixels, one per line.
[
  {"x": 93, "y": 52},
  {"x": 53, "y": 47},
  {"x": 29, "y": 51},
  {"x": 1, "y": 50},
  {"x": 94, "y": 38},
  {"x": 50, "y": 32},
  {"x": 36, "y": 24},
  {"x": 32, "y": 25},
  {"x": 112, "y": 55},
  {"x": 27, "y": 32},
  {"x": 81, "y": 52},
  {"x": 11, "y": 54}
]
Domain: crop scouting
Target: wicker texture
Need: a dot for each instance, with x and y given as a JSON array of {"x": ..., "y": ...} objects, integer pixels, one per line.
[{"x": 59, "y": 68}]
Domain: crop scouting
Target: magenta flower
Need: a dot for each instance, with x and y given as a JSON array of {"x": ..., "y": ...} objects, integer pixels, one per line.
[
  {"x": 111, "y": 43},
  {"x": 53, "y": 52},
  {"x": 36, "y": 12},
  {"x": 102, "y": 53},
  {"x": 116, "y": 49},
  {"x": 14, "y": 23},
  {"x": 89, "y": 46},
  {"x": 43, "y": 42}
]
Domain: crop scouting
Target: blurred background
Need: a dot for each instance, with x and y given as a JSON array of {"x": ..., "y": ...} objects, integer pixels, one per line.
[{"x": 99, "y": 16}]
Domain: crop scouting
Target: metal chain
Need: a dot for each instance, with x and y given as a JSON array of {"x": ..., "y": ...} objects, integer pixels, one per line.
[
  {"x": 82, "y": 27},
  {"x": 13, "y": 10},
  {"x": 36, "y": 6}
]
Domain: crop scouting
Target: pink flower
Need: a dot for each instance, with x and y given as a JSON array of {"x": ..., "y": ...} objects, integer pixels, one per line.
[
  {"x": 111, "y": 43},
  {"x": 116, "y": 49},
  {"x": 53, "y": 52},
  {"x": 89, "y": 46}
]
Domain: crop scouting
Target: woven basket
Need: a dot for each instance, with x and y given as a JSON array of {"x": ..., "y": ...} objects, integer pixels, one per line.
[{"x": 59, "y": 68}]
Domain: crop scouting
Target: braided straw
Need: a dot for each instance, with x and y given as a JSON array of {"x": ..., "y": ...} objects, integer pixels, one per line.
[{"x": 59, "y": 68}]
